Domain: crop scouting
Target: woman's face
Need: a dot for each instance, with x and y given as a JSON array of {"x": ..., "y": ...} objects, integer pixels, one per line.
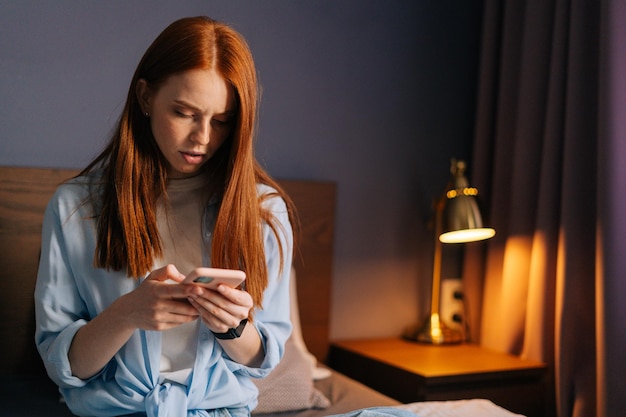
[{"x": 191, "y": 115}]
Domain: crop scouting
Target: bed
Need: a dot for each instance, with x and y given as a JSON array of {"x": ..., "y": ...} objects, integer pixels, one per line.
[{"x": 301, "y": 386}]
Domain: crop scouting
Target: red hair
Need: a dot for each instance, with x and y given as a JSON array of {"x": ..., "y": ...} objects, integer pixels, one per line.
[{"x": 135, "y": 175}]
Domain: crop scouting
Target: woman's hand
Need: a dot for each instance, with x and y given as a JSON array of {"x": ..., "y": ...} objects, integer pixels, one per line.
[
  {"x": 153, "y": 305},
  {"x": 223, "y": 309},
  {"x": 157, "y": 304}
]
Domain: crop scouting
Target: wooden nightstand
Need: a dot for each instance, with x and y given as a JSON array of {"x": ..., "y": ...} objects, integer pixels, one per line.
[{"x": 411, "y": 372}]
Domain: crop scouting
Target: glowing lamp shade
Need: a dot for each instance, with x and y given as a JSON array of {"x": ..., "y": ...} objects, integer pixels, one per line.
[
  {"x": 467, "y": 235},
  {"x": 462, "y": 221}
]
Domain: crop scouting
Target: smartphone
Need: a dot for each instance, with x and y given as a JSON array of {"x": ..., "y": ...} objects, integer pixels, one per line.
[{"x": 212, "y": 277}]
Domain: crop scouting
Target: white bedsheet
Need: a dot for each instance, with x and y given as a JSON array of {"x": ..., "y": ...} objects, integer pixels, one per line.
[{"x": 459, "y": 408}]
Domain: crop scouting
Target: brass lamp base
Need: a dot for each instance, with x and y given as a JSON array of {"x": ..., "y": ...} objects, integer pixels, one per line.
[{"x": 434, "y": 332}]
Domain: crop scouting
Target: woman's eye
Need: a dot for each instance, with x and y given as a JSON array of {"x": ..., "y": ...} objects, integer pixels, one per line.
[
  {"x": 183, "y": 114},
  {"x": 222, "y": 122}
]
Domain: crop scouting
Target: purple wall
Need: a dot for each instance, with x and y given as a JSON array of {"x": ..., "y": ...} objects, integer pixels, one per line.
[{"x": 376, "y": 96}]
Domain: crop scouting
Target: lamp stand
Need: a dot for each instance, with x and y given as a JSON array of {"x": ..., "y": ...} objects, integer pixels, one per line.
[{"x": 434, "y": 331}]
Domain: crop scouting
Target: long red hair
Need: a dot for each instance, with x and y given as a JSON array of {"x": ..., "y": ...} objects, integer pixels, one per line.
[{"x": 134, "y": 171}]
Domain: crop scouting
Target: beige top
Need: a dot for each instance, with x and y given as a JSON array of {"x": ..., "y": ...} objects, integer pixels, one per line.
[{"x": 180, "y": 227}]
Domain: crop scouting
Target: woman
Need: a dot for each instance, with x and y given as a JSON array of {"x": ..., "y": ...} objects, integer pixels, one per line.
[{"x": 176, "y": 188}]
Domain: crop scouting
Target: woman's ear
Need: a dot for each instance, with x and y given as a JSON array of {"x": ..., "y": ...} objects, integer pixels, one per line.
[{"x": 144, "y": 95}]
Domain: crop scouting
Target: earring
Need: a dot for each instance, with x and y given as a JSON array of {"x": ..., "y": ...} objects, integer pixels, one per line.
[{"x": 147, "y": 114}]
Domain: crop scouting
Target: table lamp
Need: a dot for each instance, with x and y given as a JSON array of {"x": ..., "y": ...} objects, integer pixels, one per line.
[{"x": 457, "y": 220}]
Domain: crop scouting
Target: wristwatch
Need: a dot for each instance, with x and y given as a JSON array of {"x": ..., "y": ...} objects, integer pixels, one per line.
[{"x": 233, "y": 332}]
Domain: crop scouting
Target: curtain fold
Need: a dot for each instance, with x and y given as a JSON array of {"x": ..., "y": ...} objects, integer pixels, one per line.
[
  {"x": 548, "y": 140},
  {"x": 611, "y": 267}
]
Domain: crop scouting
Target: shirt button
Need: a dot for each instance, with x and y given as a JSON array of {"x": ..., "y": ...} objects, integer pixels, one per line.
[{"x": 205, "y": 336}]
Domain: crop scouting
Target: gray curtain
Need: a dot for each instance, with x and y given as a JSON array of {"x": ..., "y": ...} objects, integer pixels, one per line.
[{"x": 550, "y": 162}]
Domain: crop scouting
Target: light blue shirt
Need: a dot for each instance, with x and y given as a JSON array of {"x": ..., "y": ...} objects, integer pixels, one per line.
[{"x": 70, "y": 292}]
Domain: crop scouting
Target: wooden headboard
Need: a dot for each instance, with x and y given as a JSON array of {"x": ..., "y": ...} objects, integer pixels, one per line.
[{"x": 24, "y": 194}]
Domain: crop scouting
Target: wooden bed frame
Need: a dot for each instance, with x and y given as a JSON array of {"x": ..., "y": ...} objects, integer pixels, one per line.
[{"x": 24, "y": 193}]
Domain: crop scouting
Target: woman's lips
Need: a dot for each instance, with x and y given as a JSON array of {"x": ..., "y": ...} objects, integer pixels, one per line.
[{"x": 192, "y": 157}]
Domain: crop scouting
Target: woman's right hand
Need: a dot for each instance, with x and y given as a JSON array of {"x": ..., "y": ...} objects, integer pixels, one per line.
[
  {"x": 157, "y": 304},
  {"x": 153, "y": 305}
]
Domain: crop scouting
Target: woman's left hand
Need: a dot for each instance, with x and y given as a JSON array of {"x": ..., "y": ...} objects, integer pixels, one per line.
[{"x": 223, "y": 308}]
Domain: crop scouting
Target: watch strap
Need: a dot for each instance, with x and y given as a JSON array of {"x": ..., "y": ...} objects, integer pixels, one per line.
[{"x": 233, "y": 332}]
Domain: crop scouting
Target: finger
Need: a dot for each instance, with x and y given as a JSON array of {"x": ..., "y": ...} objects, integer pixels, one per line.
[
  {"x": 181, "y": 308},
  {"x": 235, "y": 302},
  {"x": 217, "y": 321},
  {"x": 170, "y": 321},
  {"x": 169, "y": 290},
  {"x": 226, "y": 314},
  {"x": 173, "y": 291},
  {"x": 235, "y": 296},
  {"x": 164, "y": 314},
  {"x": 213, "y": 301},
  {"x": 167, "y": 272}
]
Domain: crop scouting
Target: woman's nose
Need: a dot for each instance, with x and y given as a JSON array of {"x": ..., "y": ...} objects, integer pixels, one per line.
[{"x": 202, "y": 133}]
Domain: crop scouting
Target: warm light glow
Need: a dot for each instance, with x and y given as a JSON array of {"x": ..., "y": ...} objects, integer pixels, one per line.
[
  {"x": 435, "y": 328},
  {"x": 467, "y": 235},
  {"x": 469, "y": 191}
]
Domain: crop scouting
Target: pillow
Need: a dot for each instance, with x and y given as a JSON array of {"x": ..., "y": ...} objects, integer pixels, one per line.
[
  {"x": 290, "y": 385},
  {"x": 296, "y": 333}
]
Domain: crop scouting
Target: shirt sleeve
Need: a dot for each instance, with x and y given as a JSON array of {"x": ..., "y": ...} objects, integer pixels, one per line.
[{"x": 59, "y": 309}]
